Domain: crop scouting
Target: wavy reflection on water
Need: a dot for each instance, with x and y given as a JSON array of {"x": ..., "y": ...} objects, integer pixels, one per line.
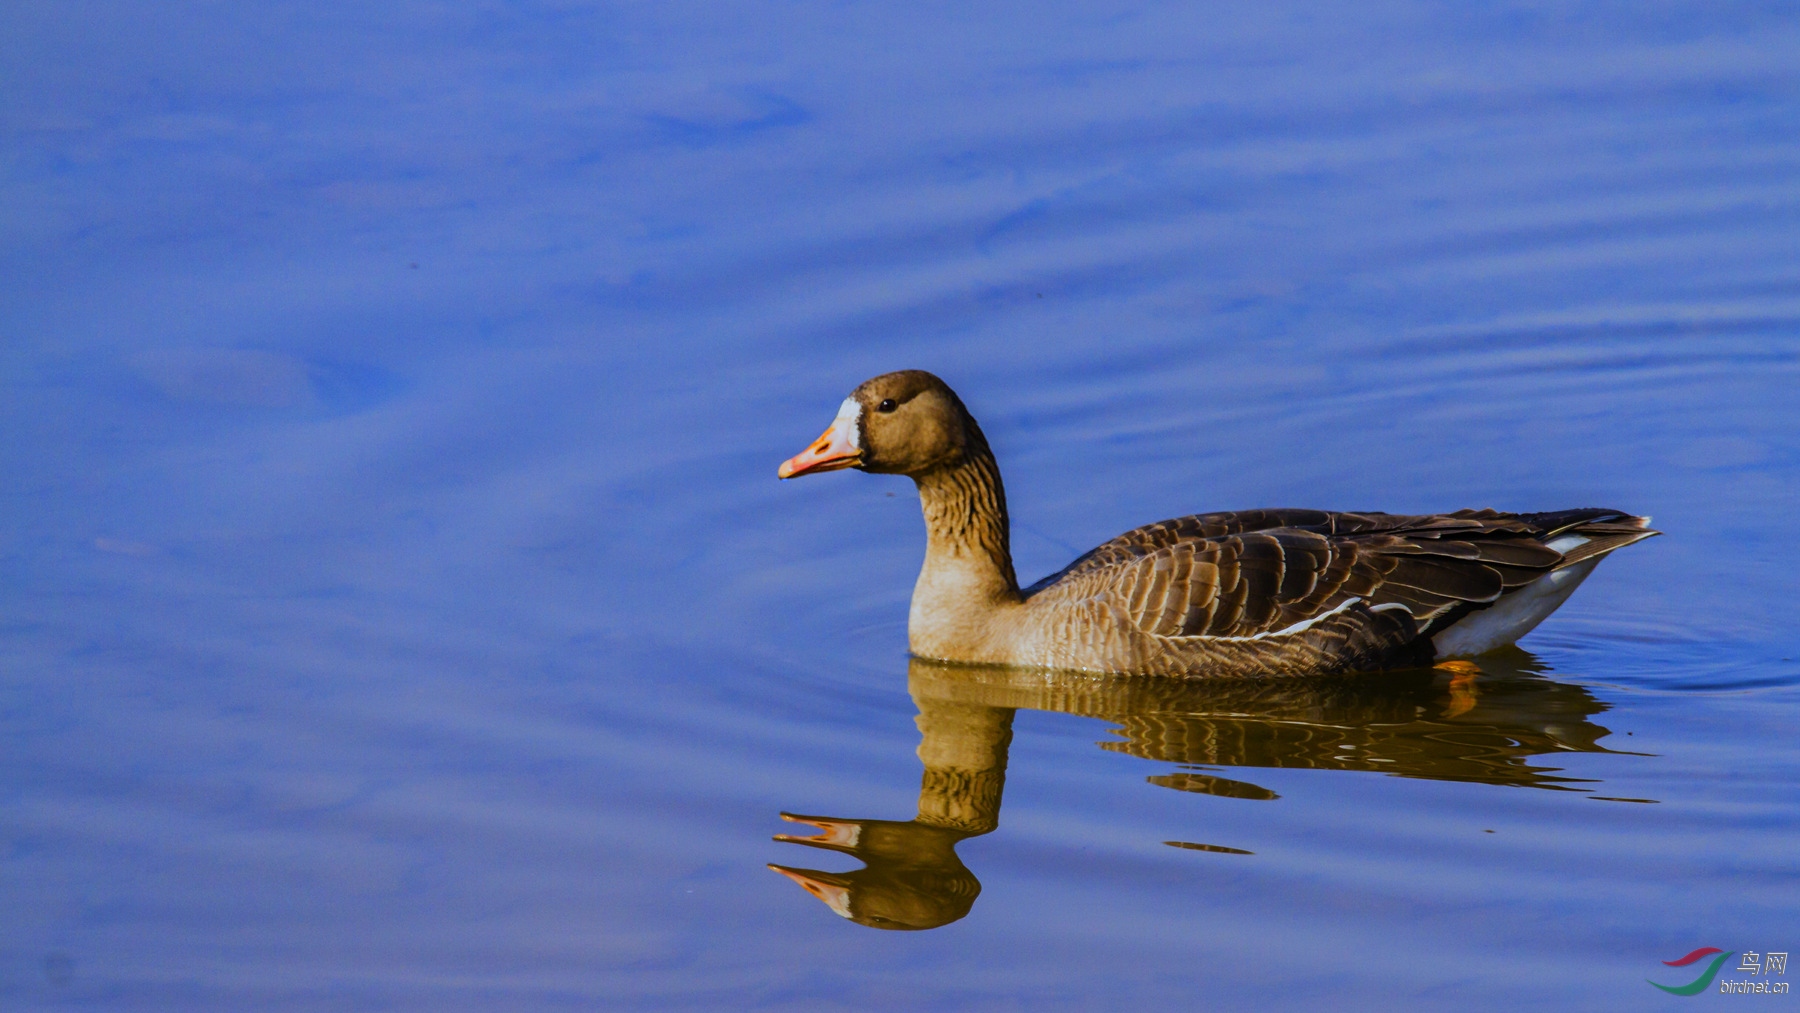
[{"x": 1473, "y": 724}]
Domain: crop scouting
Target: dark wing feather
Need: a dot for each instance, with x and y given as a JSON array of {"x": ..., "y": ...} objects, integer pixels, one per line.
[{"x": 1262, "y": 571}]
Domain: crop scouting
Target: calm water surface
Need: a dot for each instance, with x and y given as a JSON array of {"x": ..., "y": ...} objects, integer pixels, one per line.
[{"x": 400, "y": 610}]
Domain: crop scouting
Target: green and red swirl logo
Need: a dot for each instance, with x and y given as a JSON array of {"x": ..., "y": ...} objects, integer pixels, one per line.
[
  {"x": 1758, "y": 971},
  {"x": 1699, "y": 984}
]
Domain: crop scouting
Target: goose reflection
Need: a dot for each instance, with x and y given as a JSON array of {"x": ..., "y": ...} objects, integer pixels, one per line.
[
  {"x": 1465, "y": 723},
  {"x": 912, "y": 877}
]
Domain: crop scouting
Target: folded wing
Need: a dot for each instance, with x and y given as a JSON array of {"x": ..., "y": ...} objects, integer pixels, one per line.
[{"x": 1269, "y": 573}]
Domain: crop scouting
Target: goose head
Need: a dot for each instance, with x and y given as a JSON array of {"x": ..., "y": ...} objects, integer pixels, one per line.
[{"x": 904, "y": 423}]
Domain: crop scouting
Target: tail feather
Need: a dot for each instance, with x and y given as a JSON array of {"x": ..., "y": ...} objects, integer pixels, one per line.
[
  {"x": 1582, "y": 536},
  {"x": 1602, "y": 536}
]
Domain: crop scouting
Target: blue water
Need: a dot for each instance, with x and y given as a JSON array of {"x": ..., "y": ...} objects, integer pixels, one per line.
[{"x": 400, "y": 610}]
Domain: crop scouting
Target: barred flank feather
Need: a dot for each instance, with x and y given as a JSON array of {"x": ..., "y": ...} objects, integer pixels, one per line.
[{"x": 1224, "y": 592}]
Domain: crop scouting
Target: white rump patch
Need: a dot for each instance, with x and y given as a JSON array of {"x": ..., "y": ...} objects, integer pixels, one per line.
[
  {"x": 1515, "y": 614},
  {"x": 1567, "y": 542}
]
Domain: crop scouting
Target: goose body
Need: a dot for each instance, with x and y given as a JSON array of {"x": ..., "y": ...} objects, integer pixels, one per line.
[{"x": 1254, "y": 592}]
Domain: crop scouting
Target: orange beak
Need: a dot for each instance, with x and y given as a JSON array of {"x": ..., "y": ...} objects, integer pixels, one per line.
[{"x": 837, "y": 448}]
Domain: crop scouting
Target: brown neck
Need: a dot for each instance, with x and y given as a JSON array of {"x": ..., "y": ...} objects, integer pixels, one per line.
[{"x": 967, "y": 545}]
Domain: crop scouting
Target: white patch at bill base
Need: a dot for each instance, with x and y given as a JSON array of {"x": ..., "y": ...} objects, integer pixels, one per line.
[{"x": 848, "y": 424}]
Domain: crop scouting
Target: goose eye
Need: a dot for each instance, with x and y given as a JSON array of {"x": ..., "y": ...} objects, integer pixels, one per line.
[{"x": 886, "y": 406}]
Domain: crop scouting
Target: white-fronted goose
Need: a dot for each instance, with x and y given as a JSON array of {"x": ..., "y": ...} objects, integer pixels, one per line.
[{"x": 1257, "y": 592}]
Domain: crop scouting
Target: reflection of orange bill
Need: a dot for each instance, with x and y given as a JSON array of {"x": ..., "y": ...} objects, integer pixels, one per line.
[
  {"x": 835, "y": 895},
  {"x": 839, "y": 835}
]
